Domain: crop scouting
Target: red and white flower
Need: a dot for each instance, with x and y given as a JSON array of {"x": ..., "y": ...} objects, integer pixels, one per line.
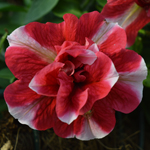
[
  {"x": 131, "y": 15},
  {"x": 72, "y": 76}
]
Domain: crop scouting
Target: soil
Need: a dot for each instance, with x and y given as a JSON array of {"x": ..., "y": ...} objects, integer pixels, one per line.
[{"x": 131, "y": 133}]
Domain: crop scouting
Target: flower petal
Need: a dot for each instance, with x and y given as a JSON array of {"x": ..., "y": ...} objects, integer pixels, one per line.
[
  {"x": 77, "y": 51},
  {"x": 88, "y": 56},
  {"x": 132, "y": 29},
  {"x": 86, "y": 26},
  {"x": 127, "y": 61},
  {"x": 70, "y": 99},
  {"x": 94, "y": 48},
  {"x": 63, "y": 129},
  {"x": 148, "y": 12},
  {"x": 79, "y": 77},
  {"x": 126, "y": 95},
  {"x": 28, "y": 107},
  {"x": 71, "y": 48},
  {"x": 116, "y": 8},
  {"x": 44, "y": 118},
  {"x": 68, "y": 68},
  {"x": 110, "y": 37},
  {"x": 48, "y": 35},
  {"x": 129, "y": 16},
  {"x": 45, "y": 81},
  {"x": 20, "y": 38},
  {"x": 98, "y": 124},
  {"x": 101, "y": 77},
  {"x": 23, "y": 63}
]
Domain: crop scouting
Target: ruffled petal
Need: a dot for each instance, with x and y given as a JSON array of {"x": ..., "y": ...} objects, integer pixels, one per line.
[
  {"x": 110, "y": 37},
  {"x": 143, "y": 3},
  {"x": 45, "y": 81},
  {"x": 85, "y": 56},
  {"x": 126, "y": 95},
  {"x": 116, "y": 8},
  {"x": 88, "y": 56},
  {"x": 86, "y": 26},
  {"x": 44, "y": 117},
  {"x": 98, "y": 123},
  {"x": 62, "y": 129},
  {"x": 47, "y": 35},
  {"x": 23, "y": 63},
  {"x": 68, "y": 68},
  {"x": 70, "y": 99},
  {"x": 95, "y": 124},
  {"x": 132, "y": 29},
  {"x": 127, "y": 61},
  {"x": 148, "y": 12},
  {"x": 28, "y": 107},
  {"x": 101, "y": 77},
  {"x": 79, "y": 77},
  {"x": 129, "y": 16},
  {"x": 94, "y": 48},
  {"x": 20, "y": 38}
]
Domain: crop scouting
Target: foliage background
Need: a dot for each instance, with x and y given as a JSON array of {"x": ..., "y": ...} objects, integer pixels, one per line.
[{"x": 15, "y": 13}]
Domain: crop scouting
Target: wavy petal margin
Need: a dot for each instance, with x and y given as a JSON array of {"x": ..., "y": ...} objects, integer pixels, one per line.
[
  {"x": 126, "y": 95},
  {"x": 129, "y": 16},
  {"x": 21, "y": 38},
  {"x": 102, "y": 76},
  {"x": 97, "y": 124},
  {"x": 45, "y": 81},
  {"x": 70, "y": 99},
  {"x": 28, "y": 107}
]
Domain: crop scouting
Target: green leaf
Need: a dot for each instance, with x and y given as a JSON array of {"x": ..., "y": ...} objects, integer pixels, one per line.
[
  {"x": 7, "y": 27},
  {"x": 18, "y": 17},
  {"x": 10, "y": 7},
  {"x": 67, "y": 6},
  {"x": 142, "y": 31},
  {"x": 146, "y": 82},
  {"x": 138, "y": 45},
  {"x": 38, "y": 9},
  {"x": 3, "y": 38},
  {"x": 3, "y": 105},
  {"x": 28, "y": 2},
  {"x": 4, "y": 83},
  {"x": 101, "y": 2},
  {"x": 5, "y": 73}
]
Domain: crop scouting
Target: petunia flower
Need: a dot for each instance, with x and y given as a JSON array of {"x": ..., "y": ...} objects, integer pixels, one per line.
[
  {"x": 131, "y": 15},
  {"x": 72, "y": 76}
]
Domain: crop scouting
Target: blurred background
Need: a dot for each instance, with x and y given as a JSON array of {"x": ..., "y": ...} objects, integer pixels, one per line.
[{"x": 132, "y": 131}]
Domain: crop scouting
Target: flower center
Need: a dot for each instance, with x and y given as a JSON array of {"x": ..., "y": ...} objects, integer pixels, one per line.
[{"x": 88, "y": 114}]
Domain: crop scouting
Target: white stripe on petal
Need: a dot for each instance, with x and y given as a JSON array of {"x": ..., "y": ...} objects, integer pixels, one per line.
[
  {"x": 91, "y": 130},
  {"x": 127, "y": 17},
  {"x": 21, "y": 39},
  {"x": 135, "y": 79},
  {"x": 112, "y": 76},
  {"x": 24, "y": 114},
  {"x": 104, "y": 32},
  {"x": 68, "y": 117},
  {"x": 88, "y": 57}
]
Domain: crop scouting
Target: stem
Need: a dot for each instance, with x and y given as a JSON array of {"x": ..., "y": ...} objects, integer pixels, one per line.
[
  {"x": 1, "y": 93},
  {"x": 141, "y": 139},
  {"x": 36, "y": 139}
]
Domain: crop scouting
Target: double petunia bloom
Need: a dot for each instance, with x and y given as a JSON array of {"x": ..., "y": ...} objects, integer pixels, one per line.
[
  {"x": 131, "y": 15},
  {"x": 73, "y": 76}
]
